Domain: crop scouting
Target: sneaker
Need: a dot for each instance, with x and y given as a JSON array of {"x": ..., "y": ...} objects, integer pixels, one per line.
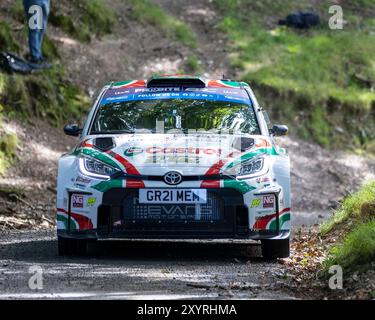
[{"x": 40, "y": 64}]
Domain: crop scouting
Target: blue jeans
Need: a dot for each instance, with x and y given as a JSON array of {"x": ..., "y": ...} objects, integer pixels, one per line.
[{"x": 36, "y": 34}]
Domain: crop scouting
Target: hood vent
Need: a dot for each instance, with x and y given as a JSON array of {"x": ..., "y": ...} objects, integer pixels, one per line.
[
  {"x": 104, "y": 144},
  {"x": 243, "y": 143}
]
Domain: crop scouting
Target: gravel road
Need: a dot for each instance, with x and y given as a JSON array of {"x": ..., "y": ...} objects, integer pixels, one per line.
[{"x": 138, "y": 270}]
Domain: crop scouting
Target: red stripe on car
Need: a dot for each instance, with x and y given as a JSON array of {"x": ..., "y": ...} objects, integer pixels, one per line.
[
  {"x": 131, "y": 169},
  {"x": 84, "y": 223}
]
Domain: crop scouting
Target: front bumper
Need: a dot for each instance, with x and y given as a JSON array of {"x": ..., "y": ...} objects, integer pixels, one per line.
[{"x": 120, "y": 216}]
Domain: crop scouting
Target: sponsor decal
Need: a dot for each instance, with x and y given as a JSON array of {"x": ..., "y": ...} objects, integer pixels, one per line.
[
  {"x": 255, "y": 203},
  {"x": 268, "y": 201},
  {"x": 133, "y": 151},
  {"x": 91, "y": 202},
  {"x": 77, "y": 201},
  {"x": 175, "y": 159},
  {"x": 191, "y": 150}
]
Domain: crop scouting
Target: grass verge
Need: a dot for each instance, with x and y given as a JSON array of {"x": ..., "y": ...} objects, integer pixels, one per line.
[
  {"x": 147, "y": 12},
  {"x": 320, "y": 81},
  {"x": 81, "y": 19},
  {"x": 357, "y": 249},
  {"x": 356, "y": 220},
  {"x": 8, "y": 150},
  {"x": 357, "y": 207},
  {"x": 45, "y": 94}
]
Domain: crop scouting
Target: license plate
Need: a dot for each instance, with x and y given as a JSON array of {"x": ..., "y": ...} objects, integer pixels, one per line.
[{"x": 164, "y": 196}]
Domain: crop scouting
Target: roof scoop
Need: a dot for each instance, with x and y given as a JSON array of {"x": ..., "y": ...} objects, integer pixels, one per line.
[
  {"x": 176, "y": 81},
  {"x": 104, "y": 144}
]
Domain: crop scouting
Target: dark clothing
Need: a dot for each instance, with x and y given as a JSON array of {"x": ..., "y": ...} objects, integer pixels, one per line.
[
  {"x": 301, "y": 20},
  {"x": 35, "y": 34}
]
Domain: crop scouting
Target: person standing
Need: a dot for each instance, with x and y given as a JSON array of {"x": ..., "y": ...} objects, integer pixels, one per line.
[{"x": 37, "y": 12}]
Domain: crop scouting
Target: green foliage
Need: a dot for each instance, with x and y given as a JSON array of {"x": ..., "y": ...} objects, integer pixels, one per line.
[
  {"x": 67, "y": 24},
  {"x": 147, "y": 12},
  {"x": 8, "y": 150},
  {"x": 8, "y": 145},
  {"x": 354, "y": 206},
  {"x": 97, "y": 15},
  {"x": 319, "y": 127},
  {"x": 17, "y": 11},
  {"x": 193, "y": 65},
  {"x": 358, "y": 248},
  {"x": 332, "y": 71},
  {"x": 87, "y": 18},
  {"x": 11, "y": 193},
  {"x": 46, "y": 95},
  {"x": 7, "y": 42},
  {"x": 49, "y": 49}
]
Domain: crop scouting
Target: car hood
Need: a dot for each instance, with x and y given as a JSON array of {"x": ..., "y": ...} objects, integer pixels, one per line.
[{"x": 157, "y": 154}]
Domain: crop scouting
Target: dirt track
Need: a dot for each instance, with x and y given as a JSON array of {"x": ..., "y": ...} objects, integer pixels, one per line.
[{"x": 136, "y": 270}]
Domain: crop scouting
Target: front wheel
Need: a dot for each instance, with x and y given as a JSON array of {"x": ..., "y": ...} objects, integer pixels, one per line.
[
  {"x": 273, "y": 249},
  {"x": 66, "y": 246},
  {"x": 70, "y": 247}
]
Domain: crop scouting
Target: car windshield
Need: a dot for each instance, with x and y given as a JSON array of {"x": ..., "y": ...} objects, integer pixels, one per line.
[{"x": 172, "y": 114}]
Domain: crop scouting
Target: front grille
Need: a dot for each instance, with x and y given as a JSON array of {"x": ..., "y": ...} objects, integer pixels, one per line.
[
  {"x": 121, "y": 215},
  {"x": 211, "y": 211}
]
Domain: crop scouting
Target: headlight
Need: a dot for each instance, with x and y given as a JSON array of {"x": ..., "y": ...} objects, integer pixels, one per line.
[
  {"x": 95, "y": 168},
  {"x": 247, "y": 169}
]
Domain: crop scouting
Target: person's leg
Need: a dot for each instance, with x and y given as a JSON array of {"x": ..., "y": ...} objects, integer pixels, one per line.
[
  {"x": 45, "y": 4},
  {"x": 36, "y": 34}
]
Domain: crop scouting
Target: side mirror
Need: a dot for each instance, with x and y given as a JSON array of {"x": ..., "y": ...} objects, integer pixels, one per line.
[
  {"x": 279, "y": 130},
  {"x": 72, "y": 130}
]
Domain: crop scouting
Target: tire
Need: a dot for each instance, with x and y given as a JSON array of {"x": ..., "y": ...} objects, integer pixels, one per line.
[
  {"x": 273, "y": 249},
  {"x": 71, "y": 247},
  {"x": 66, "y": 246},
  {"x": 86, "y": 247}
]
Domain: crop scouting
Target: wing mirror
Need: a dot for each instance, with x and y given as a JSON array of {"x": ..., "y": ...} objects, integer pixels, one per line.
[
  {"x": 279, "y": 130},
  {"x": 72, "y": 130}
]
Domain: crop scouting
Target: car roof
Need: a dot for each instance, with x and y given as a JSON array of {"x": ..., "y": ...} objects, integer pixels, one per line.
[
  {"x": 179, "y": 80},
  {"x": 177, "y": 86}
]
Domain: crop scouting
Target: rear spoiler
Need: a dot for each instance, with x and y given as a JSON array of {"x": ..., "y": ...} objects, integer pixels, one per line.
[{"x": 176, "y": 82}]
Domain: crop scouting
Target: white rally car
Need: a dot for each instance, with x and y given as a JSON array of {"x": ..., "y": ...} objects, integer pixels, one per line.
[{"x": 175, "y": 157}]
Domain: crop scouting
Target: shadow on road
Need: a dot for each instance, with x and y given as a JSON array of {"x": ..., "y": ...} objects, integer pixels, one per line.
[{"x": 46, "y": 251}]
